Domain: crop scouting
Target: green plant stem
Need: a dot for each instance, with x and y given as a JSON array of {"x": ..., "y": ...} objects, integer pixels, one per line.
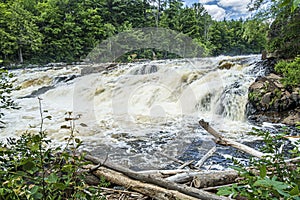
[{"x": 40, "y": 149}]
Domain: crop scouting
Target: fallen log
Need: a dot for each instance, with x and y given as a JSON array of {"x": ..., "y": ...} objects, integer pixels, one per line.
[
  {"x": 138, "y": 186},
  {"x": 227, "y": 142},
  {"x": 185, "y": 164},
  {"x": 150, "y": 179},
  {"x": 205, "y": 157},
  {"x": 206, "y": 179},
  {"x": 163, "y": 172}
]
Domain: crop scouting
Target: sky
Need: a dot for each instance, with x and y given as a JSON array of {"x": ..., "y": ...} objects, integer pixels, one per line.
[{"x": 218, "y": 9}]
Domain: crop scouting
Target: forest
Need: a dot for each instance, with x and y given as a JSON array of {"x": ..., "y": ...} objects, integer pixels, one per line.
[{"x": 42, "y": 31}]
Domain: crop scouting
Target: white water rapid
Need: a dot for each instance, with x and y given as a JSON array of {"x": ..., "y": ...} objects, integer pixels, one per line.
[{"x": 137, "y": 110}]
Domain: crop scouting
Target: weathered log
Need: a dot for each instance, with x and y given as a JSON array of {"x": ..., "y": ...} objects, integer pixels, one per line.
[
  {"x": 186, "y": 164},
  {"x": 193, "y": 192},
  {"x": 206, "y": 179},
  {"x": 227, "y": 142},
  {"x": 163, "y": 172},
  {"x": 150, "y": 190},
  {"x": 206, "y": 156},
  {"x": 217, "y": 187}
]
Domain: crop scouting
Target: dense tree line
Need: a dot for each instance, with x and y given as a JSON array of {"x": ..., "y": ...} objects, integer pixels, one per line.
[
  {"x": 283, "y": 35},
  {"x": 38, "y": 31}
]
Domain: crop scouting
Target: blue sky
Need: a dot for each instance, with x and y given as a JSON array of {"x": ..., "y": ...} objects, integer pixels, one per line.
[{"x": 218, "y": 9}]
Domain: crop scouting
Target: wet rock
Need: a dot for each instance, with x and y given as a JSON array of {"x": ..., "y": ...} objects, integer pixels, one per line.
[
  {"x": 293, "y": 118},
  {"x": 270, "y": 101},
  {"x": 225, "y": 64},
  {"x": 266, "y": 99},
  {"x": 45, "y": 80},
  {"x": 102, "y": 67},
  {"x": 38, "y": 92}
]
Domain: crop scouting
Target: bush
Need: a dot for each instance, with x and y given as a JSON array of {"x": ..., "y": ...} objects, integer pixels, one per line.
[
  {"x": 270, "y": 177},
  {"x": 6, "y": 87},
  {"x": 29, "y": 169},
  {"x": 290, "y": 71}
]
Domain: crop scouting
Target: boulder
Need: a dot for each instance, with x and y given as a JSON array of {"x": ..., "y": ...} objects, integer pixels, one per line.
[
  {"x": 225, "y": 64},
  {"x": 292, "y": 118},
  {"x": 270, "y": 101}
]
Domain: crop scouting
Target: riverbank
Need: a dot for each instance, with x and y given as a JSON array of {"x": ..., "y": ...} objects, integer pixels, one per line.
[{"x": 272, "y": 101}]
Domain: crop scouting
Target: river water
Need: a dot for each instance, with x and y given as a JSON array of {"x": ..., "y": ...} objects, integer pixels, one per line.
[{"x": 137, "y": 111}]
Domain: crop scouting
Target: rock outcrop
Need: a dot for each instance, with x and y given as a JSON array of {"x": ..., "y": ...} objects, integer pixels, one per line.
[{"x": 270, "y": 101}]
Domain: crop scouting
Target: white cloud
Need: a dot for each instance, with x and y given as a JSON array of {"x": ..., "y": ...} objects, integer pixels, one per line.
[
  {"x": 205, "y": 1},
  {"x": 236, "y": 5},
  {"x": 215, "y": 11}
]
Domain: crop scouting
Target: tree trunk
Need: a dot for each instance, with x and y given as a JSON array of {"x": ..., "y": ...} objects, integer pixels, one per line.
[{"x": 20, "y": 55}]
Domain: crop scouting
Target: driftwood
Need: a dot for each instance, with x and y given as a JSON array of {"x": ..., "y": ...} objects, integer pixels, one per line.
[
  {"x": 163, "y": 185},
  {"x": 138, "y": 186},
  {"x": 207, "y": 178},
  {"x": 205, "y": 157},
  {"x": 186, "y": 164},
  {"x": 227, "y": 142},
  {"x": 163, "y": 172}
]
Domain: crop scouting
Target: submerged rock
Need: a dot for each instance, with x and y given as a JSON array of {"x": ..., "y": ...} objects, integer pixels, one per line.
[{"x": 225, "y": 64}]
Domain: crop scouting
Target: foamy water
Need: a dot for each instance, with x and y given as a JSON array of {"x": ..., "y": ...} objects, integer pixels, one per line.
[{"x": 137, "y": 110}]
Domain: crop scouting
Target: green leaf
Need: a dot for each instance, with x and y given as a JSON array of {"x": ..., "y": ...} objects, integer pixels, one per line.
[
  {"x": 296, "y": 3},
  {"x": 263, "y": 171},
  {"x": 268, "y": 183},
  {"x": 52, "y": 178},
  {"x": 28, "y": 165},
  {"x": 34, "y": 189},
  {"x": 38, "y": 196},
  {"x": 239, "y": 169},
  {"x": 60, "y": 186},
  {"x": 295, "y": 191},
  {"x": 224, "y": 191}
]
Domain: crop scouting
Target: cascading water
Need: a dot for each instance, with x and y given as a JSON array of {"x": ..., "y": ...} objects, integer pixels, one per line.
[{"x": 137, "y": 110}]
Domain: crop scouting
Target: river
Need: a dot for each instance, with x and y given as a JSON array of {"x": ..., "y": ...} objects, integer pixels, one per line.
[{"x": 138, "y": 110}]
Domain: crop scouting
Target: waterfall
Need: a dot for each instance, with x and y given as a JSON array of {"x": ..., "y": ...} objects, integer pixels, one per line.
[{"x": 156, "y": 102}]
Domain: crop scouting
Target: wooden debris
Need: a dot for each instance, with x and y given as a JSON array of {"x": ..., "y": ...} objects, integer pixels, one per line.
[
  {"x": 206, "y": 156},
  {"x": 206, "y": 178},
  {"x": 227, "y": 142},
  {"x": 123, "y": 176},
  {"x": 150, "y": 190},
  {"x": 186, "y": 164}
]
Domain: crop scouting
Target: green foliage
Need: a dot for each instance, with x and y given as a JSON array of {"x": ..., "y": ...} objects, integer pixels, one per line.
[
  {"x": 237, "y": 37},
  {"x": 283, "y": 34},
  {"x": 269, "y": 177},
  {"x": 66, "y": 31},
  {"x": 6, "y": 87},
  {"x": 290, "y": 71},
  {"x": 31, "y": 169}
]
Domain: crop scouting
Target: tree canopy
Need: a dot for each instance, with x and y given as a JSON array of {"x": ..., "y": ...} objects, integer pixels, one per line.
[{"x": 40, "y": 31}]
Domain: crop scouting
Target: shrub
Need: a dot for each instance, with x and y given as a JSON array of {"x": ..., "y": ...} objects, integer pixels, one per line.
[
  {"x": 290, "y": 71},
  {"x": 6, "y": 87},
  {"x": 30, "y": 169},
  {"x": 270, "y": 177}
]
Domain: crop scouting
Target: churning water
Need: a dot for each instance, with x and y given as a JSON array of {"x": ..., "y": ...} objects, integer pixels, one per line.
[{"x": 137, "y": 110}]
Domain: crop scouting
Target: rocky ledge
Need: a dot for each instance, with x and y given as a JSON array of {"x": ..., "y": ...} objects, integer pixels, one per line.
[{"x": 270, "y": 101}]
